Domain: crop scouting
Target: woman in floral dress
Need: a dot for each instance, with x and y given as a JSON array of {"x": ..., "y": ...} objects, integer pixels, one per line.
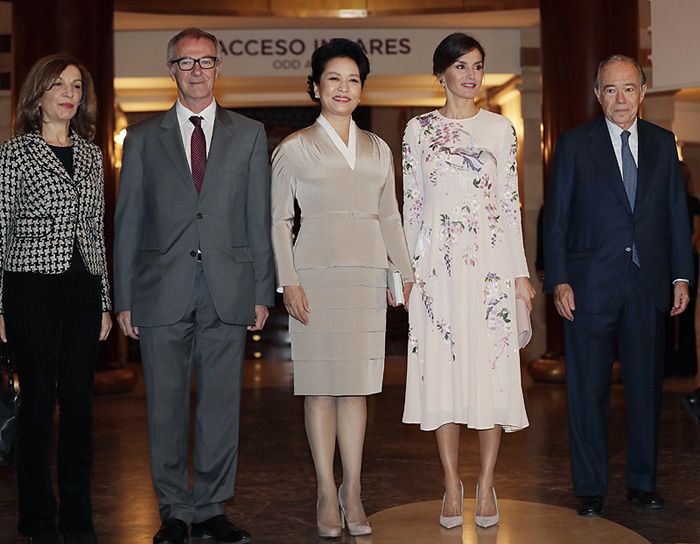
[{"x": 462, "y": 224}]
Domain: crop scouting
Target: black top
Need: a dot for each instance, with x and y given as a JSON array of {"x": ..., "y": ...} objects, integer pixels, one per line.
[{"x": 65, "y": 155}]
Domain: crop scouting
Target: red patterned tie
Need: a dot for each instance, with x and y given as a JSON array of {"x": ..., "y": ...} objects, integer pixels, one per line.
[{"x": 198, "y": 148}]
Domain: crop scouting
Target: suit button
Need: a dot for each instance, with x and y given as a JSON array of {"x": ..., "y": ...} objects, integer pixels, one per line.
[
  {"x": 628, "y": 249},
  {"x": 193, "y": 253},
  {"x": 199, "y": 216}
]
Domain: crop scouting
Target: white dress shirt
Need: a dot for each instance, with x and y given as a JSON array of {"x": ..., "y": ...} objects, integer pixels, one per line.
[
  {"x": 349, "y": 151},
  {"x": 616, "y": 137},
  {"x": 208, "y": 116}
]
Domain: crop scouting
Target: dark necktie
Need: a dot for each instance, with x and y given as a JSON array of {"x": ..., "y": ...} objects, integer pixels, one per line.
[
  {"x": 629, "y": 178},
  {"x": 198, "y": 155}
]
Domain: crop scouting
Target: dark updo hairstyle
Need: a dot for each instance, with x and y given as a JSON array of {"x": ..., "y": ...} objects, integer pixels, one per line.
[
  {"x": 336, "y": 48},
  {"x": 41, "y": 76},
  {"x": 451, "y": 48}
]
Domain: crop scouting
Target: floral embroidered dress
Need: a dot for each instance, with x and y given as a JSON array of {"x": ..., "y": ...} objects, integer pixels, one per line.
[{"x": 462, "y": 224}]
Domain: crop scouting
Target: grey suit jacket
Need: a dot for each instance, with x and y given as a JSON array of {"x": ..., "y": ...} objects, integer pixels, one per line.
[{"x": 161, "y": 221}]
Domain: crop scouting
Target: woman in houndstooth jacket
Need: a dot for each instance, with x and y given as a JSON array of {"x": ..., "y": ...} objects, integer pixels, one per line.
[{"x": 54, "y": 294}]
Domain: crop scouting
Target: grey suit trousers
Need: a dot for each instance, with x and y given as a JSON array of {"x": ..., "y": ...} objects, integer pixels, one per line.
[{"x": 202, "y": 343}]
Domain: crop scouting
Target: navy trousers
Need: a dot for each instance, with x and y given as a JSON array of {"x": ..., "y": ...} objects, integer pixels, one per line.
[{"x": 636, "y": 328}]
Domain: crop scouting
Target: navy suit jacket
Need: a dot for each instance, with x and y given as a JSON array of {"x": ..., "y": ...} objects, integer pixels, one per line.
[{"x": 589, "y": 227}]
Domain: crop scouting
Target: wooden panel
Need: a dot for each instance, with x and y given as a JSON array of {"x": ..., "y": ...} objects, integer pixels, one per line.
[
  {"x": 316, "y": 8},
  {"x": 308, "y": 8},
  {"x": 576, "y": 36},
  {"x": 203, "y": 7}
]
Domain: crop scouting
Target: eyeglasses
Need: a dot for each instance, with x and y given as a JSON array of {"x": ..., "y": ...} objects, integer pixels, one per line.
[{"x": 187, "y": 63}]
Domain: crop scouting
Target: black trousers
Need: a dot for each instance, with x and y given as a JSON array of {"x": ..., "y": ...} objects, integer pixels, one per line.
[
  {"x": 53, "y": 324},
  {"x": 636, "y": 327}
]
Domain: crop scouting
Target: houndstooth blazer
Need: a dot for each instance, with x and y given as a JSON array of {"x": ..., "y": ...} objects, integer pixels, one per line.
[{"x": 42, "y": 209}]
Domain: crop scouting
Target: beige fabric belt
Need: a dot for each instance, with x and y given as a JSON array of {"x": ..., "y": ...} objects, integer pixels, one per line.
[{"x": 341, "y": 215}]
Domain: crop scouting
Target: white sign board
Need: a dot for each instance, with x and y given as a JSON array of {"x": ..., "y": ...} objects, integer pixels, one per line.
[{"x": 287, "y": 52}]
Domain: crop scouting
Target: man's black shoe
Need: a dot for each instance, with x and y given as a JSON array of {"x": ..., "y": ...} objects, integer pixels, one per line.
[
  {"x": 590, "y": 505},
  {"x": 221, "y": 529},
  {"x": 646, "y": 499},
  {"x": 691, "y": 403},
  {"x": 172, "y": 531},
  {"x": 44, "y": 538},
  {"x": 86, "y": 537}
]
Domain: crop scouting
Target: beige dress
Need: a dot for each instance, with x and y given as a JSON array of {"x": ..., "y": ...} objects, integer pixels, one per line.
[
  {"x": 462, "y": 222},
  {"x": 350, "y": 233}
]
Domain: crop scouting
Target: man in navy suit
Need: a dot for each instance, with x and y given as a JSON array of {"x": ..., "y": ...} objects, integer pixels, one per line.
[{"x": 616, "y": 239}]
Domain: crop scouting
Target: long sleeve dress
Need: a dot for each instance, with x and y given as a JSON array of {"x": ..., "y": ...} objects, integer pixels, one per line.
[
  {"x": 350, "y": 234},
  {"x": 462, "y": 224}
]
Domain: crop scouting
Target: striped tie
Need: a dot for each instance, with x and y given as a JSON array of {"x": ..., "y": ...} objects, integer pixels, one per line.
[{"x": 629, "y": 178}]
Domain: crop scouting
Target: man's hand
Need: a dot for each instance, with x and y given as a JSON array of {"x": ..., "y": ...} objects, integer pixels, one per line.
[
  {"x": 261, "y": 315},
  {"x": 124, "y": 320},
  {"x": 681, "y": 297},
  {"x": 564, "y": 300}
]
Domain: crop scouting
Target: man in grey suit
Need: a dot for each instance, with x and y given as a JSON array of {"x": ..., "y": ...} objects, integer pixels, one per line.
[{"x": 193, "y": 266}]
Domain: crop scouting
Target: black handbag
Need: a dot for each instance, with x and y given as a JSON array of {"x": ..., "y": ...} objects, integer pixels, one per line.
[{"x": 9, "y": 407}]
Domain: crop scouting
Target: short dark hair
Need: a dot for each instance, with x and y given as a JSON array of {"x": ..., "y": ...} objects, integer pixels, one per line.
[
  {"x": 40, "y": 77},
  {"x": 195, "y": 33},
  {"x": 336, "y": 48},
  {"x": 619, "y": 58},
  {"x": 451, "y": 48}
]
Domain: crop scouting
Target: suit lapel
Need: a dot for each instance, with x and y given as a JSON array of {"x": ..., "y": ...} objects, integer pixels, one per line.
[
  {"x": 648, "y": 155},
  {"x": 220, "y": 140},
  {"x": 604, "y": 156},
  {"x": 171, "y": 139}
]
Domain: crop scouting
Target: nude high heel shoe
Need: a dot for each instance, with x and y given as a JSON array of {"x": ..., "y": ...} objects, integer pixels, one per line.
[
  {"x": 328, "y": 531},
  {"x": 354, "y": 528},
  {"x": 486, "y": 521},
  {"x": 448, "y": 522}
]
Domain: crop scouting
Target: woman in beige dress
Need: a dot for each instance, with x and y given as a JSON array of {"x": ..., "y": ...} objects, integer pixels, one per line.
[
  {"x": 462, "y": 222},
  {"x": 335, "y": 278}
]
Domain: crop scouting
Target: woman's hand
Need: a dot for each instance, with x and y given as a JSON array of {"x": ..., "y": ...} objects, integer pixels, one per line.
[
  {"x": 525, "y": 291},
  {"x": 105, "y": 326},
  {"x": 296, "y": 304},
  {"x": 3, "y": 334},
  {"x": 407, "y": 293}
]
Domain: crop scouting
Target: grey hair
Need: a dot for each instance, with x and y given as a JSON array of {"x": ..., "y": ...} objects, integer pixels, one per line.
[
  {"x": 197, "y": 34},
  {"x": 620, "y": 58}
]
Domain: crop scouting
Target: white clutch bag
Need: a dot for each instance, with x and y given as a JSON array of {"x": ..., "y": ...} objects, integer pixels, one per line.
[
  {"x": 523, "y": 323},
  {"x": 394, "y": 282}
]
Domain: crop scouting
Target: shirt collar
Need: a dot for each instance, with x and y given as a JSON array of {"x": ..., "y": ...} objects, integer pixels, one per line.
[
  {"x": 348, "y": 151},
  {"x": 615, "y": 131},
  {"x": 184, "y": 114}
]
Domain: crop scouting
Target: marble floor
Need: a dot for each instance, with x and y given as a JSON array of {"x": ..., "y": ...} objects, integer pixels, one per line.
[{"x": 275, "y": 494}]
